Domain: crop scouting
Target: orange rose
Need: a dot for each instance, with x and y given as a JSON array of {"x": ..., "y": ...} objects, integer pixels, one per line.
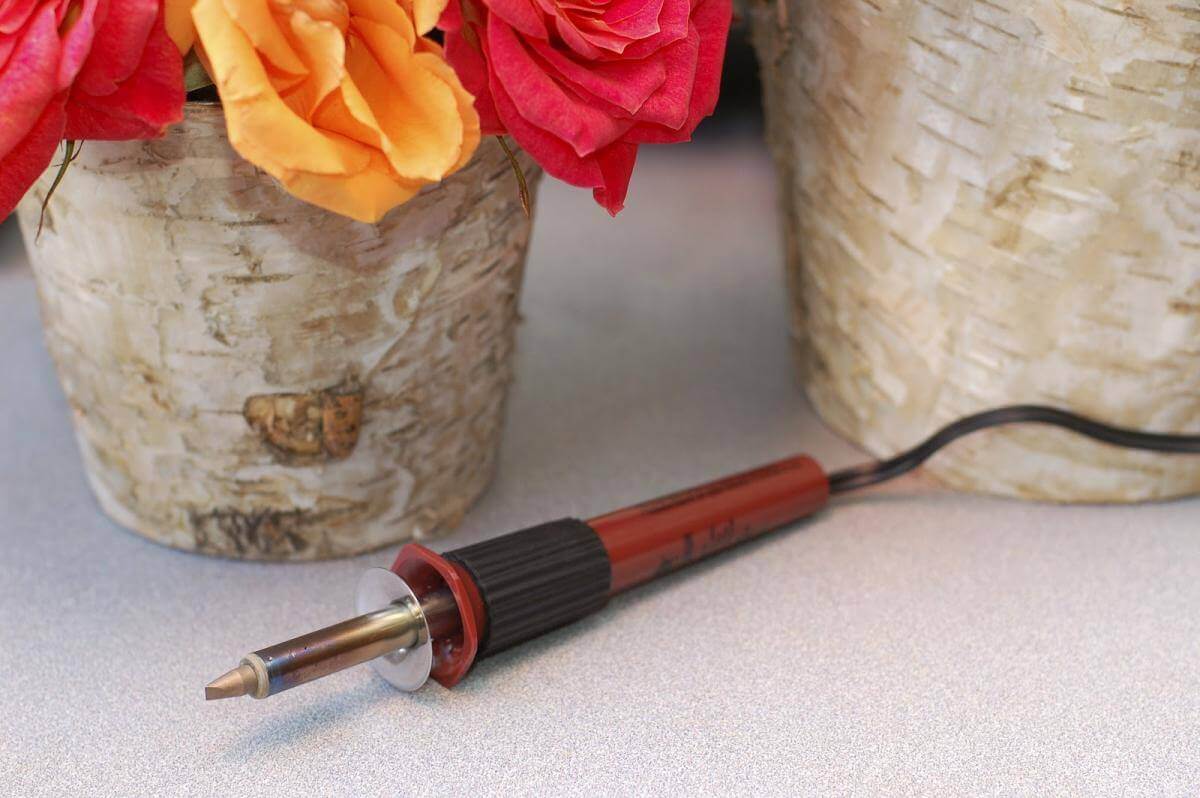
[{"x": 344, "y": 101}]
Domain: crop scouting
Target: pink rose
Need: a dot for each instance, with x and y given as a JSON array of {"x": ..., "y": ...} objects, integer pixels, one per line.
[
  {"x": 91, "y": 69},
  {"x": 579, "y": 84}
]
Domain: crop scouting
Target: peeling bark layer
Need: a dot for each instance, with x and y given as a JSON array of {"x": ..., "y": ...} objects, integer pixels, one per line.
[
  {"x": 989, "y": 203},
  {"x": 254, "y": 377}
]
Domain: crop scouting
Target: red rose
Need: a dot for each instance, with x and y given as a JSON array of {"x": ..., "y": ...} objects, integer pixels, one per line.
[
  {"x": 581, "y": 83},
  {"x": 80, "y": 69}
]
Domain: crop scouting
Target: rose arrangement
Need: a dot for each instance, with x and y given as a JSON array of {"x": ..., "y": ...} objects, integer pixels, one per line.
[{"x": 351, "y": 104}]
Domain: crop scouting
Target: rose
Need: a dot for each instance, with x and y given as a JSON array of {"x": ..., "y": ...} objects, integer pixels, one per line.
[
  {"x": 89, "y": 69},
  {"x": 343, "y": 101},
  {"x": 581, "y": 83}
]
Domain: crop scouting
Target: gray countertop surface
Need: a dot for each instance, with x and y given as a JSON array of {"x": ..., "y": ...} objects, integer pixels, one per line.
[{"x": 909, "y": 641}]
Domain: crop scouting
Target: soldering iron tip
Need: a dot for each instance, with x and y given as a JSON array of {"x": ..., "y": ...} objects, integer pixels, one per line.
[{"x": 237, "y": 682}]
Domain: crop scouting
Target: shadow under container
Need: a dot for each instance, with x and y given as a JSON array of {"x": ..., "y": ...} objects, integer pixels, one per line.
[
  {"x": 254, "y": 377},
  {"x": 994, "y": 204}
]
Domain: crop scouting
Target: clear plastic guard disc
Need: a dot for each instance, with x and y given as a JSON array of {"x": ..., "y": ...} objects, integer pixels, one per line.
[{"x": 408, "y": 668}]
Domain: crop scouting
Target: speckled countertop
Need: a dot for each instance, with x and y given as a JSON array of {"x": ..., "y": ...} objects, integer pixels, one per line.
[{"x": 910, "y": 641}]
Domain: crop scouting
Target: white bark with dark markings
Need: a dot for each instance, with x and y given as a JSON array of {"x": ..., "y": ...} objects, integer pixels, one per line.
[
  {"x": 992, "y": 203},
  {"x": 254, "y": 377}
]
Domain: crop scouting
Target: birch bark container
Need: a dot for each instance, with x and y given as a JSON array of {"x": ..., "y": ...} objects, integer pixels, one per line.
[
  {"x": 994, "y": 203},
  {"x": 254, "y": 377}
]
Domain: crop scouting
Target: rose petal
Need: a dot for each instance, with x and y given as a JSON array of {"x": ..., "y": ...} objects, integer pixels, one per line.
[
  {"x": 542, "y": 101},
  {"x": 389, "y": 14},
  {"x": 595, "y": 33},
  {"x": 26, "y": 162},
  {"x": 77, "y": 40},
  {"x": 140, "y": 107},
  {"x": 467, "y": 58},
  {"x": 451, "y": 20},
  {"x": 118, "y": 45},
  {"x": 670, "y": 104},
  {"x": 626, "y": 84},
  {"x": 672, "y": 26},
  {"x": 619, "y": 10},
  {"x": 521, "y": 14},
  {"x": 711, "y": 20},
  {"x": 179, "y": 23},
  {"x": 29, "y": 81},
  {"x": 472, "y": 129},
  {"x": 574, "y": 39},
  {"x": 256, "y": 22},
  {"x": 417, "y": 111},
  {"x": 553, "y": 154},
  {"x": 616, "y": 163},
  {"x": 7, "y": 45},
  {"x": 635, "y": 19},
  {"x": 347, "y": 113},
  {"x": 582, "y": 32},
  {"x": 425, "y": 13},
  {"x": 587, "y": 9},
  {"x": 14, "y": 14},
  {"x": 364, "y": 196},
  {"x": 321, "y": 45}
]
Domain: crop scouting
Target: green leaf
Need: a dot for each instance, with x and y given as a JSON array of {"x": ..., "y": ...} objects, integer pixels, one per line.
[{"x": 195, "y": 76}]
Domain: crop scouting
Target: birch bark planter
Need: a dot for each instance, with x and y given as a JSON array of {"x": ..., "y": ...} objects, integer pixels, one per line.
[
  {"x": 989, "y": 204},
  {"x": 254, "y": 377}
]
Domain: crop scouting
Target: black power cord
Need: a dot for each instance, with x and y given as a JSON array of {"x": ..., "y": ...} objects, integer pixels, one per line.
[{"x": 874, "y": 473}]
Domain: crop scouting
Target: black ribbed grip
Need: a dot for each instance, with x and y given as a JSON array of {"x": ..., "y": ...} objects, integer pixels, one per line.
[{"x": 536, "y": 580}]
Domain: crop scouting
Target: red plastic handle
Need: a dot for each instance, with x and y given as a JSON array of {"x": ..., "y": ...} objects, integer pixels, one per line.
[
  {"x": 642, "y": 542},
  {"x": 651, "y": 539}
]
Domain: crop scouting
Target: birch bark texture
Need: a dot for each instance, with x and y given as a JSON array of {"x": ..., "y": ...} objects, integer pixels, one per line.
[
  {"x": 254, "y": 377},
  {"x": 994, "y": 202}
]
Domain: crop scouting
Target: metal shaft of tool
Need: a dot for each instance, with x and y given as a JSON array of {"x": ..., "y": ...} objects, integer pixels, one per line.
[{"x": 403, "y": 625}]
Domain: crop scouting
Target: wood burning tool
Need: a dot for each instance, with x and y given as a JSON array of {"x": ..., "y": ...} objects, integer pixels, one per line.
[{"x": 435, "y": 615}]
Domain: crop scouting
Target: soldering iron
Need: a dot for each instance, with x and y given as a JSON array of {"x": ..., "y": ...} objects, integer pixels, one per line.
[{"x": 434, "y": 615}]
